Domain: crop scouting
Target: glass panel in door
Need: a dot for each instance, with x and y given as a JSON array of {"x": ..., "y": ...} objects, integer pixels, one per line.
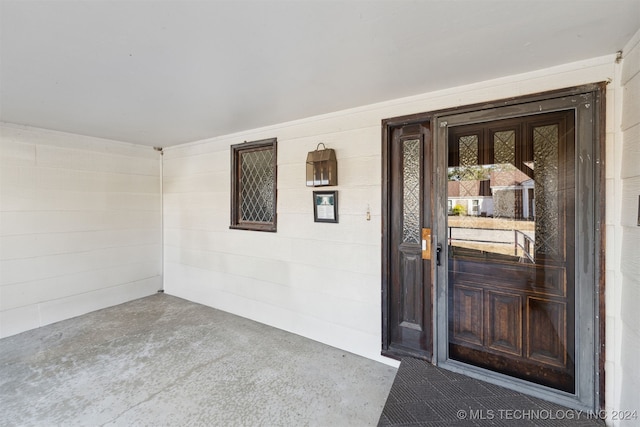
[{"x": 510, "y": 222}]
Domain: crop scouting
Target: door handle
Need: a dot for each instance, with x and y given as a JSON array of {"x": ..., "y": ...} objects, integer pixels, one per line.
[{"x": 438, "y": 251}]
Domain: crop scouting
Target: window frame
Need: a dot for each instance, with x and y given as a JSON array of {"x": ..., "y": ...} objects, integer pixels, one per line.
[
  {"x": 237, "y": 151},
  {"x": 475, "y": 207}
]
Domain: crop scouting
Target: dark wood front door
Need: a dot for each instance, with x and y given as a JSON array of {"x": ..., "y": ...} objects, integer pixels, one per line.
[
  {"x": 511, "y": 188},
  {"x": 511, "y": 192},
  {"x": 407, "y": 312}
]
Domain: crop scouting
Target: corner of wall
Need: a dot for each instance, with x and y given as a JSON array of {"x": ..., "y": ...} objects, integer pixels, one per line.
[{"x": 79, "y": 223}]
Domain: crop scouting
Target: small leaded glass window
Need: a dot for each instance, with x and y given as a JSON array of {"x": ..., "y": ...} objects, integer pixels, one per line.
[{"x": 253, "y": 185}]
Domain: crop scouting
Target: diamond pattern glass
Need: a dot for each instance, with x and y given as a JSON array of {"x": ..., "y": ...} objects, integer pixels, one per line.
[
  {"x": 256, "y": 183},
  {"x": 411, "y": 192},
  {"x": 545, "y": 157},
  {"x": 468, "y": 150},
  {"x": 505, "y": 174},
  {"x": 504, "y": 147},
  {"x": 469, "y": 184}
]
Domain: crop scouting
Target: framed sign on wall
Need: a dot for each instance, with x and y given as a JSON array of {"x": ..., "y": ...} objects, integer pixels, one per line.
[{"x": 325, "y": 206}]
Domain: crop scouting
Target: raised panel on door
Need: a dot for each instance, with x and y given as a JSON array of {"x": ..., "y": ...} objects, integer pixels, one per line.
[
  {"x": 546, "y": 320},
  {"x": 466, "y": 321},
  {"x": 504, "y": 322},
  {"x": 410, "y": 264}
]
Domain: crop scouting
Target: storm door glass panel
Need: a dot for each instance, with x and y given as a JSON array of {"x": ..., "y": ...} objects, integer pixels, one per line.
[
  {"x": 488, "y": 190},
  {"x": 510, "y": 282}
]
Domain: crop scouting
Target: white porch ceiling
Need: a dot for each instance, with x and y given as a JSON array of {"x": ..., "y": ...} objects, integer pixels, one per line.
[{"x": 166, "y": 72}]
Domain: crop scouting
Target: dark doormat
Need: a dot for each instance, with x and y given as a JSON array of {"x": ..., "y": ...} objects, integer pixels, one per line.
[{"x": 424, "y": 395}]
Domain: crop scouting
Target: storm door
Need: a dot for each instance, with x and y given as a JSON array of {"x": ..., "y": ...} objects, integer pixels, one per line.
[
  {"x": 511, "y": 245},
  {"x": 516, "y": 291}
]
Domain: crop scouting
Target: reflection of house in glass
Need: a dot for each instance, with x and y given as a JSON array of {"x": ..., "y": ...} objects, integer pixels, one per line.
[{"x": 507, "y": 193}]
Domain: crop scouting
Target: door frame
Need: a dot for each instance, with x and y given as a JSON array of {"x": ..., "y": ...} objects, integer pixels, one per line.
[{"x": 590, "y": 347}]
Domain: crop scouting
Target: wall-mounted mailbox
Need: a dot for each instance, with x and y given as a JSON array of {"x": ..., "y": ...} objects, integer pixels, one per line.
[{"x": 322, "y": 167}]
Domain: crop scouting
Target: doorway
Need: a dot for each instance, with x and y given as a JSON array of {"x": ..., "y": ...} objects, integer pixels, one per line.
[{"x": 490, "y": 243}]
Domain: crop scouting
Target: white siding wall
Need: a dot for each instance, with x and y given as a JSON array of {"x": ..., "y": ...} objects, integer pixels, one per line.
[
  {"x": 628, "y": 373},
  {"x": 80, "y": 225},
  {"x": 318, "y": 280}
]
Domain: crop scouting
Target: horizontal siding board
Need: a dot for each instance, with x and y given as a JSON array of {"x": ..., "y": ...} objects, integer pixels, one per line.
[
  {"x": 296, "y": 321},
  {"x": 35, "y": 222},
  {"x": 78, "y": 304},
  {"x": 38, "y": 245},
  {"x": 352, "y": 229},
  {"x": 49, "y": 266},
  {"x": 201, "y": 182},
  {"x": 18, "y": 197},
  {"x": 631, "y": 158},
  {"x": 358, "y": 314},
  {"x": 16, "y": 152},
  {"x": 49, "y": 138},
  {"x": 86, "y": 181},
  {"x": 629, "y": 199},
  {"x": 630, "y": 252},
  {"x": 19, "y": 319},
  {"x": 196, "y": 200},
  {"x": 38, "y": 291},
  {"x": 198, "y": 219},
  {"x": 196, "y": 250},
  {"x": 195, "y": 164},
  {"x": 81, "y": 160}
]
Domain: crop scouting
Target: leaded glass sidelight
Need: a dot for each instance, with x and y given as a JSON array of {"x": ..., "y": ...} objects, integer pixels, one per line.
[
  {"x": 411, "y": 191},
  {"x": 545, "y": 158},
  {"x": 253, "y": 185}
]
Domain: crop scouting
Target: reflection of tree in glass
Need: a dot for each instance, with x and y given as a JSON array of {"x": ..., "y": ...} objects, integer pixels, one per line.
[
  {"x": 478, "y": 172},
  {"x": 469, "y": 173}
]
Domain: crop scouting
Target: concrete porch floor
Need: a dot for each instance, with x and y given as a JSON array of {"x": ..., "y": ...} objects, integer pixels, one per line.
[{"x": 162, "y": 360}]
